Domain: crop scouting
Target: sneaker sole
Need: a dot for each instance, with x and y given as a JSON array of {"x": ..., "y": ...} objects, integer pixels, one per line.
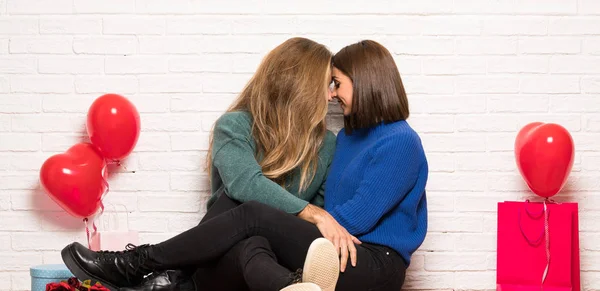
[
  {"x": 322, "y": 265},
  {"x": 79, "y": 272},
  {"x": 302, "y": 287}
]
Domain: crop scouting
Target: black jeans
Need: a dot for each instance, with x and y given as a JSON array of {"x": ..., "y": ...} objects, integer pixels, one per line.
[
  {"x": 227, "y": 273},
  {"x": 275, "y": 243}
]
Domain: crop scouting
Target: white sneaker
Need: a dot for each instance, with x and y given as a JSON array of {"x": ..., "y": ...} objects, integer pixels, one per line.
[
  {"x": 302, "y": 287},
  {"x": 322, "y": 265}
]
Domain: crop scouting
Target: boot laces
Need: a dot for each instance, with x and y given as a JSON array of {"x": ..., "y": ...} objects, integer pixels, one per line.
[
  {"x": 135, "y": 255},
  {"x": 296, "y": 277}
]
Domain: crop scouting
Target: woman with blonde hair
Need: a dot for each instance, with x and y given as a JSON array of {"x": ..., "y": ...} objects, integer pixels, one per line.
[{"x": 268, "y": 160}]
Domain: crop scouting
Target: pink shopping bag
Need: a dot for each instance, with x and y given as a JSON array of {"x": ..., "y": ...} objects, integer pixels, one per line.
[
  {"x": 538, "y": 247},
  {"x": 112, "y": 235}
]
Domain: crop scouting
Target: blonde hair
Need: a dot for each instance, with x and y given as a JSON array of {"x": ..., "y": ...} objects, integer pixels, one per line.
[{"x": 286, "y": 98}]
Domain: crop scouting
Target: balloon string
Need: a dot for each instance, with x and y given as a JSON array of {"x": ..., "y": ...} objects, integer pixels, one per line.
[
  {"x": 101, "y": 203},
  {"x": 87, "y": 229},
  {"x": 547, "y": 233},
  {"x": 85, "y": 220},
  {"x": 87, "y": 232},
  {"x": 105, "y": 183}
]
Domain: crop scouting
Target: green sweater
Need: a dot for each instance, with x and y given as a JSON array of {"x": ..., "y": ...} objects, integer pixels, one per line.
[{"x": 236, "y": 170}]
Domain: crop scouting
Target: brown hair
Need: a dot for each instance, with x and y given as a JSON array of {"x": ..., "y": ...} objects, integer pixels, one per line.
[
  {"x": 287, "y": 99},
  {"x": 378, "y": 93}
]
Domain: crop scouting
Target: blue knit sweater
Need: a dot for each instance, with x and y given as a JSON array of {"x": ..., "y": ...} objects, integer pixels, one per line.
[{"x": 376, "y": 186}]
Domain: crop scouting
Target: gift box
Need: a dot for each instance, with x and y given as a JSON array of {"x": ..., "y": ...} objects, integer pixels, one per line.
[{"x": 48, "y": 273}]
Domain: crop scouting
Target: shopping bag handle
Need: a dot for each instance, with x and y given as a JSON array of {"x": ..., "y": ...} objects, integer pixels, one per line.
[
  {"x": 116, "y": 213},
  {"x": 545, "y": 234},
  {"x": 537, "y": 241}
]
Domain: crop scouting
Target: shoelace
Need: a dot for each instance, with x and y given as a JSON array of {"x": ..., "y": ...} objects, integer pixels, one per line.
[
  {"x": 296, "y": 277},
  {"x": 110, "y": 255},
  {"x": 133, "y": 253}
]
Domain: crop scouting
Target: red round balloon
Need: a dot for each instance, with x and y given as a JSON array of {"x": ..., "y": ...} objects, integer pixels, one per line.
[
  {"x": 113, "y": 124},
  {"x": 75, "y": 180},
  {"x": 544, "y": 154}
]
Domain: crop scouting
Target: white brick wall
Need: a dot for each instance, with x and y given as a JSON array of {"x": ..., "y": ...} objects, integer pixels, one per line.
[{"x": 475, "y": 72}]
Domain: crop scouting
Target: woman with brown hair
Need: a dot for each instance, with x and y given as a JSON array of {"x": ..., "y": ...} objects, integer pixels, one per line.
[{"x": 376, "y": 182}]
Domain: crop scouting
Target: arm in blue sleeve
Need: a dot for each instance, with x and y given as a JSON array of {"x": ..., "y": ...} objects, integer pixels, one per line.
[{"x": 389, "y": 177}]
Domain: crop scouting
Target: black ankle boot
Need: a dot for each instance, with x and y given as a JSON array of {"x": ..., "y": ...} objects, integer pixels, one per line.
[
  {"x": 169, "y": 280},
  {"x": 112, "y": 269}
]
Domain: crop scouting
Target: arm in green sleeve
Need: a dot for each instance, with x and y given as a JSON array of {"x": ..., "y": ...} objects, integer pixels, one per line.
[
  {"x": 319, "y": 199},
  {"x": 243, "y": 177},
  {"x": 330, "y": 145}
]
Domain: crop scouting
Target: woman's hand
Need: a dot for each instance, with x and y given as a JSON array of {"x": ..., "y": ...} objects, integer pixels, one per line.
[
  {"x": 341, "y": 239},
  {"x": 334, "y": 232}
]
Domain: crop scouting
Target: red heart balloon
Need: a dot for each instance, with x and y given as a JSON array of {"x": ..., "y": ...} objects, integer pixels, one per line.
[
  {"x": 544, "y": 154},
  {"x": 75, "y": 180},
  {"x": 113, "y": 124}
]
